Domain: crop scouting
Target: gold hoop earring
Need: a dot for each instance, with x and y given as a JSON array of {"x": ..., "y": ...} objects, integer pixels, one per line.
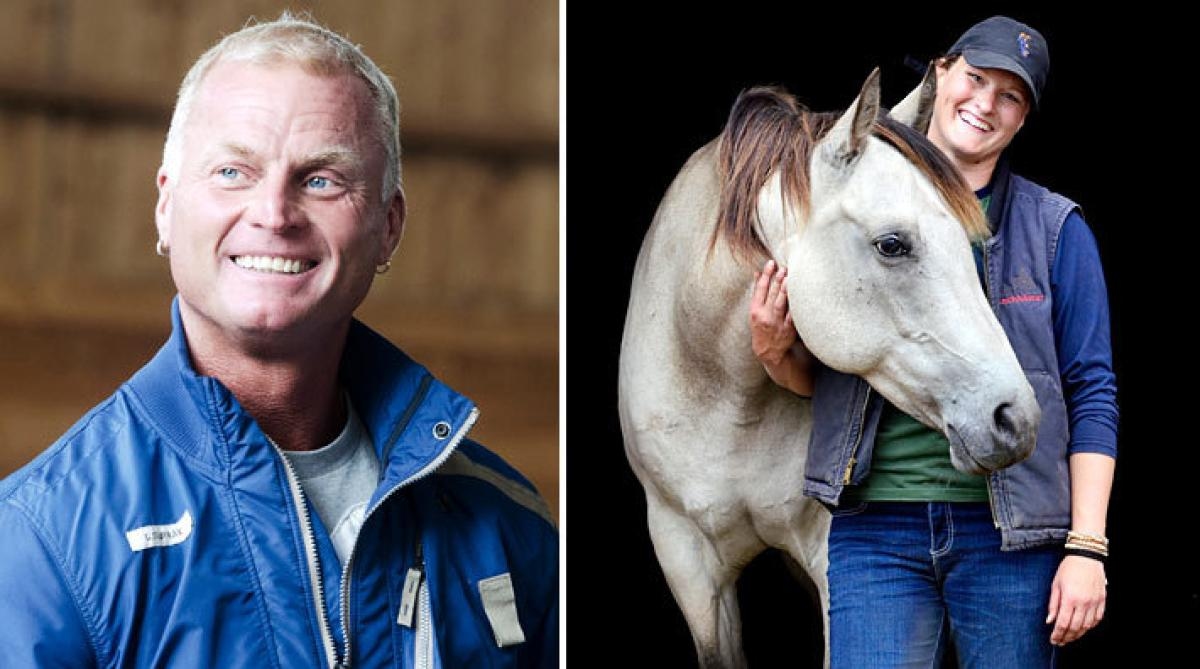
[
  {"x": 382, "y": 269},
  {"x": 161, "y": 248}
]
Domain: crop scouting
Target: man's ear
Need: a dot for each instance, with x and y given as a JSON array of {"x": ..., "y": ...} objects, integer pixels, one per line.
[
  {"x": 395, "y": 216},
  {"x": 162, "y": 210}
]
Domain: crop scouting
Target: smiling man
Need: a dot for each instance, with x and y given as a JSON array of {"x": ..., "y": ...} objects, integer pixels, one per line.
[{"x": 279, "y": 486}]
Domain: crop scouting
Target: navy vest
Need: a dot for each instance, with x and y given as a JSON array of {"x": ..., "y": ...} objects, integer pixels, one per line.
[{"x": 1031, "y": 500}]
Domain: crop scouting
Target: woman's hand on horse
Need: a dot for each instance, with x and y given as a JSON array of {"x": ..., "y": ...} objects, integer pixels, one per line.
[
  {"x": 773, "y": 337},
  {"x": 771, "y": 330}
]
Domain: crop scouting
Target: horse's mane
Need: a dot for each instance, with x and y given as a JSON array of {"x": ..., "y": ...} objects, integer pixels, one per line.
[{"x": 769, "y": 130}]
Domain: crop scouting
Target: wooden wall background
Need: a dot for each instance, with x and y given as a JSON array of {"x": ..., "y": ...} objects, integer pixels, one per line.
[{"x": 86, "y": 91}]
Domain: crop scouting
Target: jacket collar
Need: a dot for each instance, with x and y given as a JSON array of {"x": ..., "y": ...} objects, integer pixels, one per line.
[
  {"x": 414, "y": 420},
  {"x": 1001, "y": 201}
]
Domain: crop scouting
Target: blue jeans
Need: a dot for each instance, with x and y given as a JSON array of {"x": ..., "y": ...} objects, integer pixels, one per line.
[{"x": 903, "y": 574}]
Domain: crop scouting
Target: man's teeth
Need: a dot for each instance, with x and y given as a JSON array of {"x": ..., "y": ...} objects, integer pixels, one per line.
[
  {"x": 974, "y": 122},
  {"x": 271, "y": 264}
]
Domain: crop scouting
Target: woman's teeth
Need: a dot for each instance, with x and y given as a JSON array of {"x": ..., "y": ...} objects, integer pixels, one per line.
[{"x": 974, "y": 121}]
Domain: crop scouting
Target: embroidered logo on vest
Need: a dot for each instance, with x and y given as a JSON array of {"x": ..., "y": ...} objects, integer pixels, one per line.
[
  {"x": 1025, "y": 289},
  {"x": 1015, "y": 299}
]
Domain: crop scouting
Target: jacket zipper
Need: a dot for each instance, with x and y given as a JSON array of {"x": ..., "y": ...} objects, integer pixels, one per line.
[
  {"x": 862, "y": 421},
  {"x": 423, "y": 653},
  {"x": 987, "y": 292},
  {"x": 346, "y": 570},
  {"x": 314, "y": 562},
  {"x": 310, "y": 544}
]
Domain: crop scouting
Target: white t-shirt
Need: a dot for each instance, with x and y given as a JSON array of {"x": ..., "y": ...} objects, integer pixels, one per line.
[{"x": 338, "y": 480}]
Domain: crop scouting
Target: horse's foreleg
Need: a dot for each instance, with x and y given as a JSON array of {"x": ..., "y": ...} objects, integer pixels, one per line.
[
  {"x": 704, "y": 585},
  {"x": 807, "y": 546}
]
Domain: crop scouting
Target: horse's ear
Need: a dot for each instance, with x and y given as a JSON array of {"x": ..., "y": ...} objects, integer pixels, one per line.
[
  {"x": 848, "y": 136},
  {"x": 916, "y": 108}
]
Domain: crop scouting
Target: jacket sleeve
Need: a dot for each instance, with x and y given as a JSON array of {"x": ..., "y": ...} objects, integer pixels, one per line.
[
  {"x": 42, "y": 626},
  {"x": 1081, "y": 328},
  {"x": 543, "y": 650}
]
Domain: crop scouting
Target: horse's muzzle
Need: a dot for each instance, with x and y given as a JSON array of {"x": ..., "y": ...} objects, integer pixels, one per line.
[{"x": 1009, "y": 438}]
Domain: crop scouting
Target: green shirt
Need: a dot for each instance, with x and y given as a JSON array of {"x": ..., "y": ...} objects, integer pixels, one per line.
[{"x": 911, "y": 462}]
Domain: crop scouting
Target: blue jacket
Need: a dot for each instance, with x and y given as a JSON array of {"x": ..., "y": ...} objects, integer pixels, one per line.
[
  {"x": 1051, "y": 303},
  {"x": 165, "y": 529}
]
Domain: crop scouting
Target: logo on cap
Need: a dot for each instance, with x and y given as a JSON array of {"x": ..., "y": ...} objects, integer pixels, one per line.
[{"x": 1025, "y": 42}]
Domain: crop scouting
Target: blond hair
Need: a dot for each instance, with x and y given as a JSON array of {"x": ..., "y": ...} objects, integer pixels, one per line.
[{"x": 301, "y": 41}]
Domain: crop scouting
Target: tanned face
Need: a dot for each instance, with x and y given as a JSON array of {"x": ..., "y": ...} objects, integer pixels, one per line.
[
  {"x": 977, "y": 112},
  {"x": 276, "y": 219}
]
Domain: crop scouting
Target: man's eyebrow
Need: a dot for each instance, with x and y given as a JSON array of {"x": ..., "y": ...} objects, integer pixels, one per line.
[
  {"x": 336, "y": 156},
  {"x": 331, "y": 156},
  {"x": 239, "y": 150}
]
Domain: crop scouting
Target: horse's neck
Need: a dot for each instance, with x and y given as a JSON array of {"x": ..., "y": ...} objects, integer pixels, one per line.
[
  {"x": 711, "y": 307},
  {"x": 689, "y": 307},
  {"x": 699, "y": 286}
]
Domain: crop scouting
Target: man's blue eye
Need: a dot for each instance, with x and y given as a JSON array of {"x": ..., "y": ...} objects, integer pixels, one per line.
[
  {"x": 229, "y": 172},
  {"x": 318, "y": 182}
]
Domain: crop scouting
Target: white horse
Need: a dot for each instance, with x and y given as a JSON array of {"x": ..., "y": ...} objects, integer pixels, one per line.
[{"x": 871, "y": 222}]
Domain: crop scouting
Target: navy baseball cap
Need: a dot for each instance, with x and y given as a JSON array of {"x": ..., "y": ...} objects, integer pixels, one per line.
[{"x": 1006, "y": 44}]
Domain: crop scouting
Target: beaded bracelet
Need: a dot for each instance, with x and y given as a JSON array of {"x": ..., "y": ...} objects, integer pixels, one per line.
[
  {"x": 1088, "y": 544},
  {"x": 1087, "y": 538}
]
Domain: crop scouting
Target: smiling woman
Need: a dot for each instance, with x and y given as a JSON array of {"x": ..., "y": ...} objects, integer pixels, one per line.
[
  {"x": 678, "y": 74},
  {"x": 974, "y": 137}
]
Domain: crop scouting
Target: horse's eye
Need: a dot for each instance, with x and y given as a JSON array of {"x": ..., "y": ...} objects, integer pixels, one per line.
[{"x": 892, "y": 246}]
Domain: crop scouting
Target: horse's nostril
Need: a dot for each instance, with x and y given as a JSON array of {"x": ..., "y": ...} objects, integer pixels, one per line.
[{"x": 1003, "y": 419}]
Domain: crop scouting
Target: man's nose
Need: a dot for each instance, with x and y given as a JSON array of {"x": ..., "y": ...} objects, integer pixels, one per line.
[{"x": 274, "y": 206}]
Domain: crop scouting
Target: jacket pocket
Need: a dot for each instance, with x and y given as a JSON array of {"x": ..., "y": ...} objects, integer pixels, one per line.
[{"x": 1039, "y": 489}]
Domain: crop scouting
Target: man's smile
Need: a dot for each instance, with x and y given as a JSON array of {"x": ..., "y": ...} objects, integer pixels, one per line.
[{"x": 274, "y": 264}]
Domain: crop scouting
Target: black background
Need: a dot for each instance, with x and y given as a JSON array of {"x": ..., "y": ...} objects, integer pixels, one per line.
[{"x": 647, "y": 88}]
